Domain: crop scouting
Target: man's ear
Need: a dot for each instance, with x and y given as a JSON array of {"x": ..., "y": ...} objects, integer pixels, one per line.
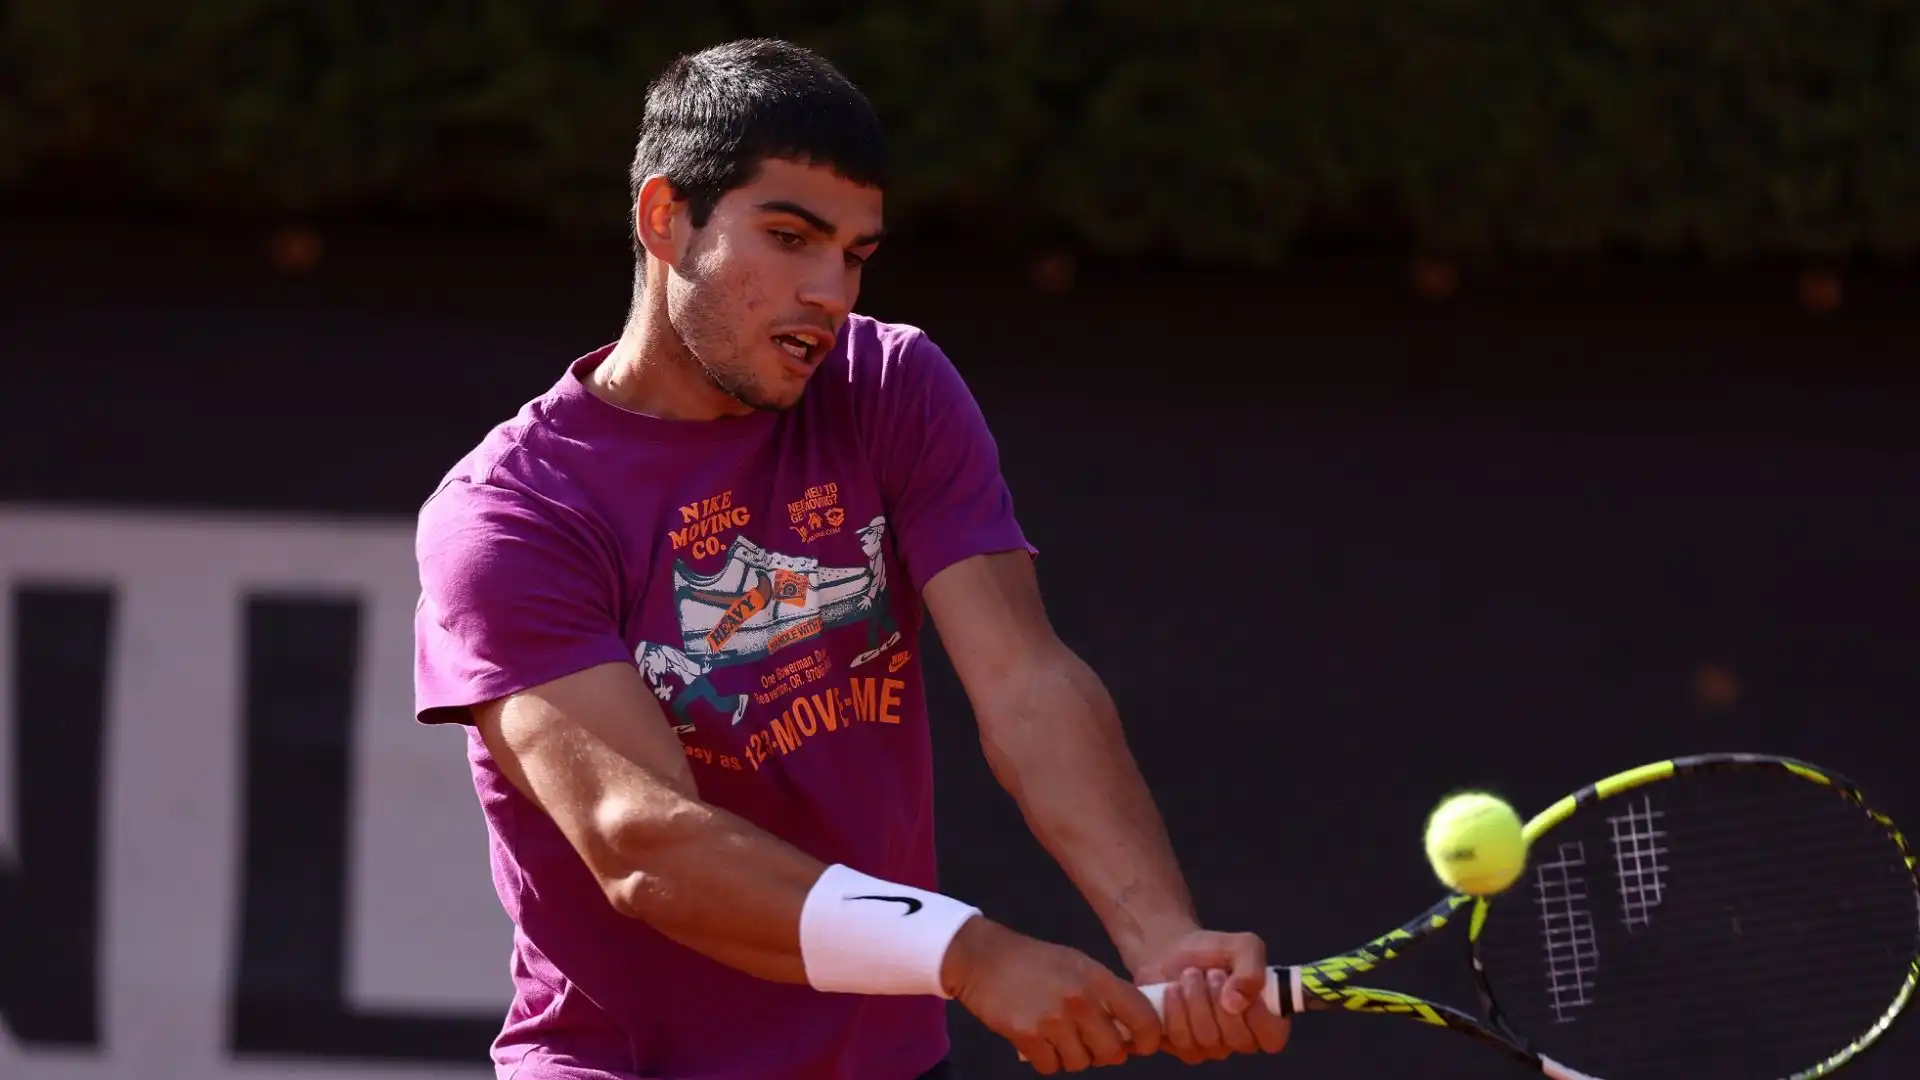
[{"x": 661, "y": 222}]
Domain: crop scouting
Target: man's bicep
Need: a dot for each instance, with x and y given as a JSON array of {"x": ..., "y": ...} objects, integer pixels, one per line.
[
  {"x": 992, "y": 620},
  {"x": 594, "y": 751}
]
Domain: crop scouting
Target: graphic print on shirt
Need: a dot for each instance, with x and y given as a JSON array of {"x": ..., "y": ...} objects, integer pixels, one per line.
[
  {"x": 758, "y": 603},
  {"x": 816, "y": 514},
  {"x": 658, "y": 662}
]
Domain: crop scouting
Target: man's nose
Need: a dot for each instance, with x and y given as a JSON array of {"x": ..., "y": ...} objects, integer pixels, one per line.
[{"x": 830, "y": 288}]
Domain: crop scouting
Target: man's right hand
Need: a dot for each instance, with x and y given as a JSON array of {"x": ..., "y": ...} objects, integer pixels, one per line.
[{"x": 1057, "y": 1006}]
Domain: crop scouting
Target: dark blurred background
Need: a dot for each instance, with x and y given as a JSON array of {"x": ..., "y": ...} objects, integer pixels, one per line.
[{"x": 1403, "y": 396}]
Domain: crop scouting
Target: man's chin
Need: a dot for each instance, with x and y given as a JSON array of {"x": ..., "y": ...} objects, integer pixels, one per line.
[
  {"x": 759, "y": 398},
  {"x": 761, "y": 401}
]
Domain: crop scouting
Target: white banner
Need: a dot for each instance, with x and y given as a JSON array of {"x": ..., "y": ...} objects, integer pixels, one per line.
[{"x": 425, "y": 936}]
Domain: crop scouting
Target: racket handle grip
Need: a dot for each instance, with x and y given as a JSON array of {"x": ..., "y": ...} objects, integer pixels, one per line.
[{"x": 1277, "y": 996}]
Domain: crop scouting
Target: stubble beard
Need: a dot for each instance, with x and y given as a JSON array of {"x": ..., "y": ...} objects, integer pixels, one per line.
[{"x": 696, "y": 312}]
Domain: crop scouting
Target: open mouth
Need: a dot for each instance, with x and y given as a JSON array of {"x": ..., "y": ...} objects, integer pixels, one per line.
[{"x": 800, "y": 345}]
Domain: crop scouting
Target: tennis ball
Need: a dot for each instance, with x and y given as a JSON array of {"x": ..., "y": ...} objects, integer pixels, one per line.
[{"x": 1476, "y": 844}]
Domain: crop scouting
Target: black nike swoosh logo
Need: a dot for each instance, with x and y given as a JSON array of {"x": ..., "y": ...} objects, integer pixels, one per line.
[{"x": 912, "y": 904}]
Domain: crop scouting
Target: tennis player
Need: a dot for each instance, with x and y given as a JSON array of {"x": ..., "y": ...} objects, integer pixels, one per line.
[{"x": 678, "y": 600}]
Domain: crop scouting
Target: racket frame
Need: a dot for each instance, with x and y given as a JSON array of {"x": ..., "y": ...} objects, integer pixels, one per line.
[{"x": 1325, "y": 986}]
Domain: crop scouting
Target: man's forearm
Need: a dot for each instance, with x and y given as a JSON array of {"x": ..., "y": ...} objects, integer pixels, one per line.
[
  {"x": 1054, "y": 741},
  {"x": 718, "y": 885},
  {"x": 593, "y": 752},
  {"x": 722, "y": 887}
]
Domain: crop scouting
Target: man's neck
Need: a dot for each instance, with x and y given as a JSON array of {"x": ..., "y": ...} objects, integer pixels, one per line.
[{"x": 651, "y": 373}]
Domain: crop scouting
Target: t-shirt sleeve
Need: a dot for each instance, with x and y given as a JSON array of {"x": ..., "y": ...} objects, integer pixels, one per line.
[
  {"x": 511, "y": 596},
  {"x": 939, "y": 467}
]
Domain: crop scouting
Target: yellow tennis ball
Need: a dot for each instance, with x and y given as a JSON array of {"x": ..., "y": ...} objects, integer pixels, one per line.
[{"x": 1476, "y": 843}]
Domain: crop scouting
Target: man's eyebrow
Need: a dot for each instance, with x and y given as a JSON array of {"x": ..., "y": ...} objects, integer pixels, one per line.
[{"x": 819, "y": 224}]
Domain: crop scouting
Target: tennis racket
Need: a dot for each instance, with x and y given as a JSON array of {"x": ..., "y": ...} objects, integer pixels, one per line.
[{"x": 1717, "y": 915}]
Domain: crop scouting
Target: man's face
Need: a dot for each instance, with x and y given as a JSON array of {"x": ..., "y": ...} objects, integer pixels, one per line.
[{"x": 765, "y": 286}]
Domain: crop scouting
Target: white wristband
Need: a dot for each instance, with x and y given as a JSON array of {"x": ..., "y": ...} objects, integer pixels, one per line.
[{"x": 862, "y": 935}]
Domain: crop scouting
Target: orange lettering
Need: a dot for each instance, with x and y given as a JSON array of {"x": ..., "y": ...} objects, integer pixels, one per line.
[
  {"x": 828, "y": 709},
  {"x": 890, "y": 700},
  {"x": 705, "y": 518},
  {"x": 789, "y": 741},
  {"x": 739, "y": 612},
  {"x": 863, "y": 691},
  {"x": 799, "y": 631},
  {"x": 801, "y": 713}
]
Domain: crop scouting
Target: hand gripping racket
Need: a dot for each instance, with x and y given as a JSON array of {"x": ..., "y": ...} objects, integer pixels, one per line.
[{"x": 1718, "y": 915}]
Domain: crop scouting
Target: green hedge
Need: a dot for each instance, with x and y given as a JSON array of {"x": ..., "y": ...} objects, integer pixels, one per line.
[{"x": 1225, "y": 130}]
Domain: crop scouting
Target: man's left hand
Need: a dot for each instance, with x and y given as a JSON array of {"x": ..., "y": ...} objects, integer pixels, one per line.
[{"x": 1213, "y": 1004}]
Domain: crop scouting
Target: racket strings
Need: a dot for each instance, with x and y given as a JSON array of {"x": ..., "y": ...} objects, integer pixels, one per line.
[{"x": 1733, "y": 920}]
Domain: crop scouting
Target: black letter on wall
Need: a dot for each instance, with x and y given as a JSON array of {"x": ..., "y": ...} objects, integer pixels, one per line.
[
  {"x": 50, "y": 905},
  {"x": 290, "y": 998}
]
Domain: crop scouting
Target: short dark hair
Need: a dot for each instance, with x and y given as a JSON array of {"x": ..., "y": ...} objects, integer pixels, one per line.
[{"x": 713, "y": 116}]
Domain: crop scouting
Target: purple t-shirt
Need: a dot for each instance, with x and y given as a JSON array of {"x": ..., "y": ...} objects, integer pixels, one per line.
[{"x": 764, "y": 573}]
